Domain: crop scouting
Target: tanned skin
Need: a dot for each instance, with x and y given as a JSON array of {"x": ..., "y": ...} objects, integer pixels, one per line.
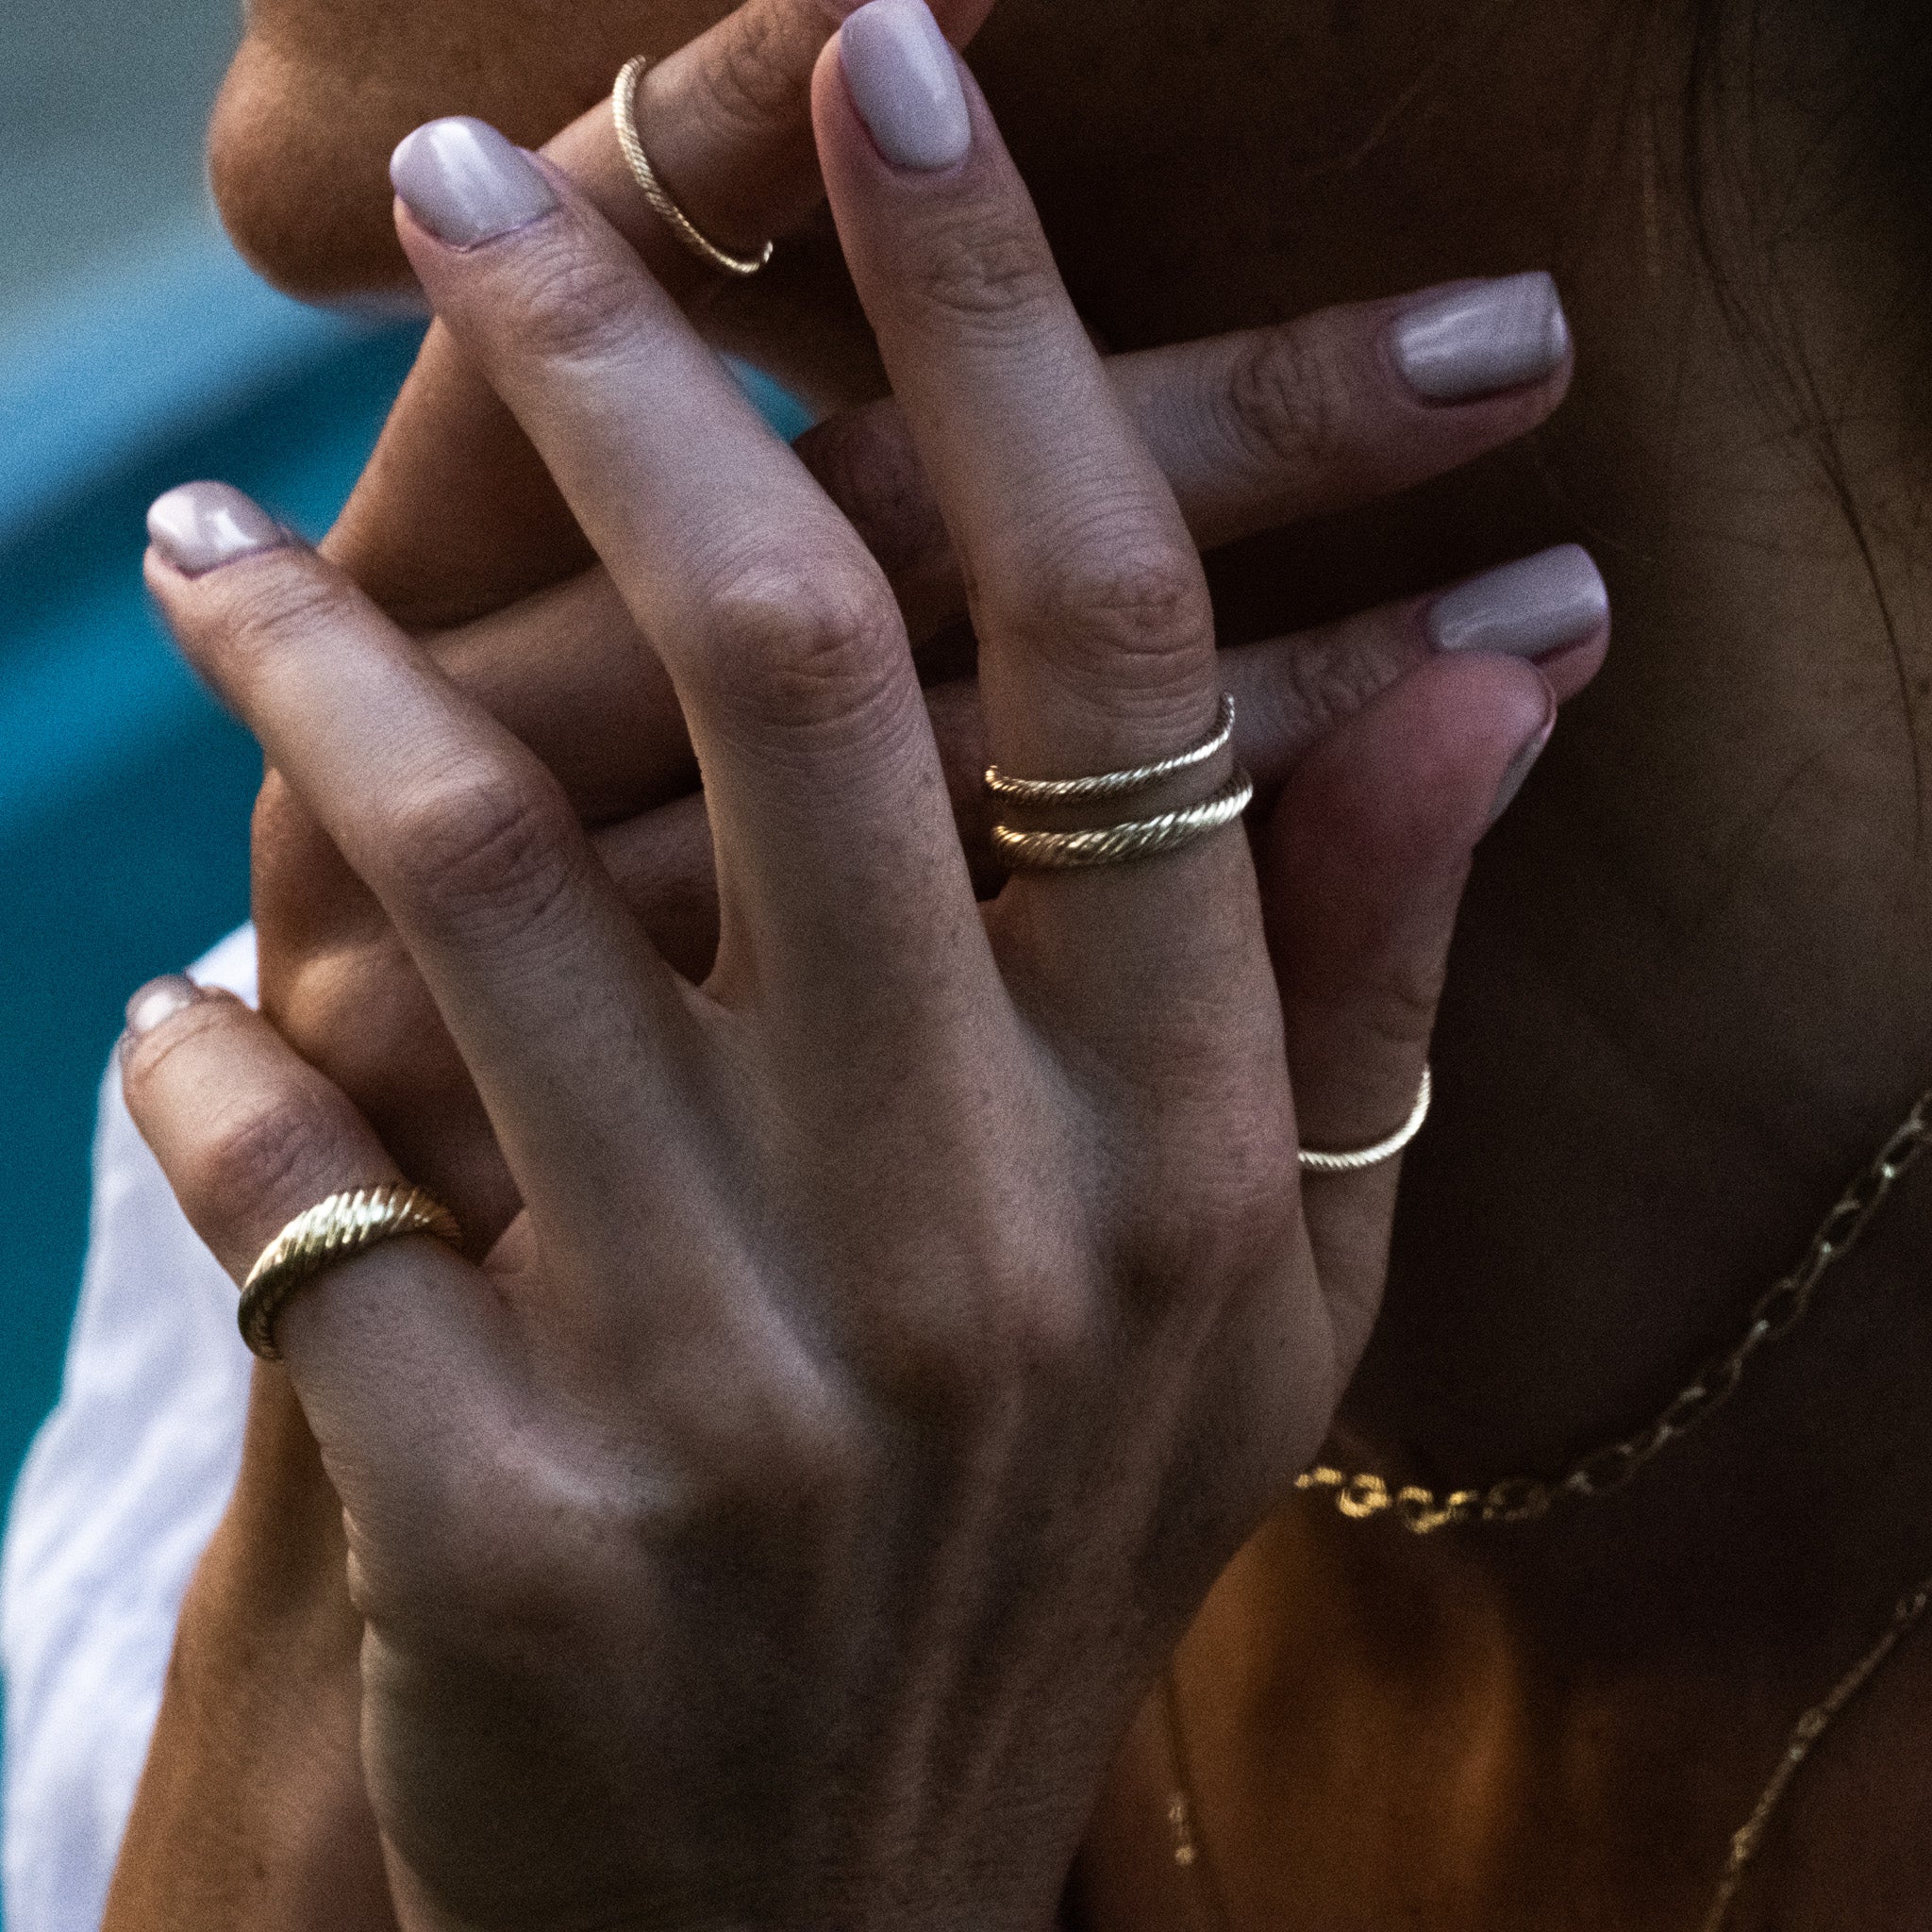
[{"x": 1689, "y": 996}]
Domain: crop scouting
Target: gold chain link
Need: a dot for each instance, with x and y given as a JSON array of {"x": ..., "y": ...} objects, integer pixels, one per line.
[{"x": 1603, "y": 1470}]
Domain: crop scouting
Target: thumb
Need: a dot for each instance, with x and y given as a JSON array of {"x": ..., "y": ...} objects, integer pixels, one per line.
[{"x": 1363, "y": 864}]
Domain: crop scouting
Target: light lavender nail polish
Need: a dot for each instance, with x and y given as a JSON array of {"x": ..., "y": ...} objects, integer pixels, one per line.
[
  {"x": 1525, "y": 610},
  {"x": 200, "y": 526},
  {"x": 1520, "y": 768},
  {"x": 905, "y": 84},
  {"x": 159, "y": 1000},
  {"x": 1482, "y": 339},
  {"x": 465, "y": 183}
]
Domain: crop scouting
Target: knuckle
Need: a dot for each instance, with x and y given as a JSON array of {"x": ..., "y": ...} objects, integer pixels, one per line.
[
  {"x": 985, "y": 269},
  {"x": 482, "y": 851},
  {"x": 1287, "y": 402},
  {"x": 259, "y": 1152},
  {"x": 1330, "y": 679},
  {"x": 568, "y": 302},
  {"x": 256, "y": 611},
  {"x": 1404, "y": 1013},
  {"x": 1119, "y": 603},
  {"x": 753, "y": 81},
  {"x": 817, "y": 644},
  {"x": 1032, "y": 1327}
]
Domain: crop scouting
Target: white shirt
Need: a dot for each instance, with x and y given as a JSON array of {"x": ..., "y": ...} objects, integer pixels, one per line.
[{"x": 120, "y": 1493}]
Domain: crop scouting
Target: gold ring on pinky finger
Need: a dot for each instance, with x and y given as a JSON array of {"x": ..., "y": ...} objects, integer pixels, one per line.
[
  {"x": 1131, "y": 840},
  {"x": 336, "y": 1229},
  {"x": 1365, "y": 1157},
  {"x": 624, "y": 112}
]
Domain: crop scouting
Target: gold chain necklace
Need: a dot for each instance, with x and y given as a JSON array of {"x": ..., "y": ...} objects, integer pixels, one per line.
[
  {"x": 1520, "y": 1499},
  {"x": 1605, "y": 1470}
]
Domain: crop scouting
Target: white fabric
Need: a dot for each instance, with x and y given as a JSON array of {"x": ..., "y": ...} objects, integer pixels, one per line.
[{"x": 118, "y": 1498}]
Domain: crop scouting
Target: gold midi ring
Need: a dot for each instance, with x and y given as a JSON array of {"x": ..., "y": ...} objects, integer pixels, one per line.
[
  {"x": 624, "y": 112},
  {"x": 333, "y": 1230},
  {"x": 1133, "y": 839},
  {"x": 1113, "y": 784},
  {"x": 1383, "y": 1150}
]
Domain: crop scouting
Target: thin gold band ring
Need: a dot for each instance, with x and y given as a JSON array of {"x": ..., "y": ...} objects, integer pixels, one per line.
[
  {"x": 1113, "y": 784},
  {"x": 624, "y": 112},
  {"x": 336, "y": 1229},
  {"x": 1133, "y": 839},
  {"x": 1365, "y": 1157}
]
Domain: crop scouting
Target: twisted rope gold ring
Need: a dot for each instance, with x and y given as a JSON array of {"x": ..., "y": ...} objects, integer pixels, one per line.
[
  {"x": 335, "y": 1229},
  {"x": 624, "y": 112},
  {"x": 1364, "y": 1158},
  {"x": 1133, "y": 839},
  {"x": 1113, "y": 784}
]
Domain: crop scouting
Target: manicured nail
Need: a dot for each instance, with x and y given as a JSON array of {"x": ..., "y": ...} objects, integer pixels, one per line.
[
  {"x": 906, "y": 85},
  {"x": 465, "y": 183},
  {"x": 1480, "y": 341},
  {"x": 1521, "y": 764},
  {"x": 1525, "y": 610},
  {"x": 200, "y": 526},
  {"x": 159, "y": 1000}
]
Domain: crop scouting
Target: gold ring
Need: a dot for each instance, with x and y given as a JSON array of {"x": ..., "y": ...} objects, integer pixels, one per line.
[
  {"x": 624, "y": 112},
  {"x": 1383, "y": 1150},
  {"x": 333, "y": 1230},
  {"x": 1113, "y": 784},
  {"x": 1133, "y": 839}
]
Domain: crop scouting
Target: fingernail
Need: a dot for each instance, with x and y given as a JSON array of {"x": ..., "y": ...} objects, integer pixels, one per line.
[
  {"x": 1480, "y": 341},
  {"x": 200, "y": 526},
  {"x": 905, "y": 84},
  {"x": 1521, "y": 764},
  {"x": 159, "y": 1000},
  {"x": 1525, "y": 610},
  {"x": 465, "y": 183}
]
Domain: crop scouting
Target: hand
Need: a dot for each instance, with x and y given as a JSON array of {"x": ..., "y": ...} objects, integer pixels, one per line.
[
  {"x": 883, "y": 1289},
  {"x": 457, "y": 514}
]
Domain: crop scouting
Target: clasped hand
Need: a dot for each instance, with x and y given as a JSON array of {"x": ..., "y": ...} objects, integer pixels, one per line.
[{"x": 896, "y": 1331}]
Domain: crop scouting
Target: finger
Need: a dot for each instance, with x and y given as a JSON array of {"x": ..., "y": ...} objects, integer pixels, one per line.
[
  {"x": 779, "y": 635},
  {"x": 249, "y": 1135},
  {"x": 1362, "y": 862},
  {"x": 727, "y": 122},
  {"x": 1255, "y": 429},
  {"x": 474, "y": 854},
  {"x": 359, "y": 1010},
  {"x": 1550, "y": 610},
  {"x": 566, "y": 673},
  {"x": 1096, "y": 645}
]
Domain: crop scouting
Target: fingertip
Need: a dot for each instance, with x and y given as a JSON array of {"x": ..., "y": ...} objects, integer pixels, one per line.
[
  {"x": 464, "y": 184},
  {"x": 197, "y": 527},
  {"x": 902, "y": 78}
]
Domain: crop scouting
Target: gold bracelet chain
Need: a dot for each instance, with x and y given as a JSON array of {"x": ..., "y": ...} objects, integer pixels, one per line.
[{"x": 1603, "y": 1470}]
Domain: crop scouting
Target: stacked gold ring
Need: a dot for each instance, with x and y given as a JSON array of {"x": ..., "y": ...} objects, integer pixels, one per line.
[
  {"x": 1128, "y": 839},
  {"x": 336, "y": 1229},
  {"x": 1113, "y": 784},
  {"x": 1132, "y": 839}
]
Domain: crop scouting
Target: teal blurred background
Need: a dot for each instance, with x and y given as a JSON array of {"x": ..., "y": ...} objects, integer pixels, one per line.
[{"x": 135, "y": 352}]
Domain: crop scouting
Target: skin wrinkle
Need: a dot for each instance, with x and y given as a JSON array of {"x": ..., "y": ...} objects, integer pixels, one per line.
[{"x": 1614, "y": 1173}]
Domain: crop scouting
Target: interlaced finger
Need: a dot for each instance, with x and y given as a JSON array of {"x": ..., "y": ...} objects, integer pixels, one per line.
[
  {"x": 837, "y": 854},
  {"x": 1096, "y": 645}
]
